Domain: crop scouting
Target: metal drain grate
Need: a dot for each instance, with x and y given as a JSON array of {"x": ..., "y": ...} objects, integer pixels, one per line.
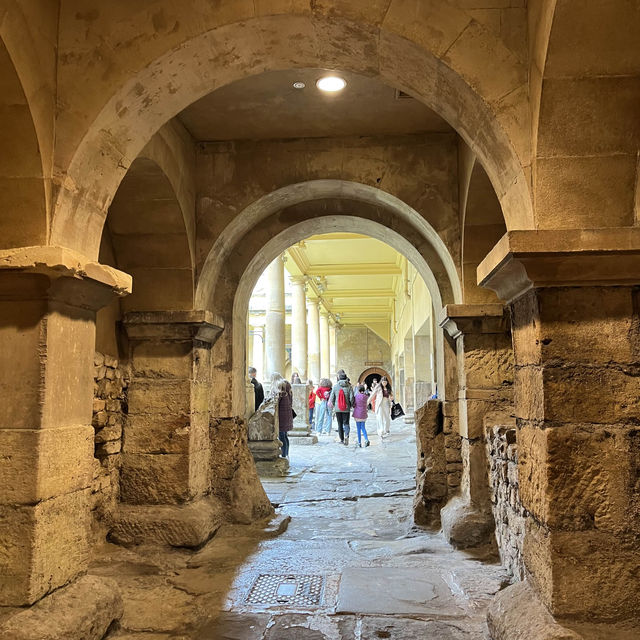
[{"x": 287, "y": 589}]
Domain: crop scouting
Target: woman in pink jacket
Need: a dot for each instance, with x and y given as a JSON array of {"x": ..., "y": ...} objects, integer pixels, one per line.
[{"x": 360, "y": 414}]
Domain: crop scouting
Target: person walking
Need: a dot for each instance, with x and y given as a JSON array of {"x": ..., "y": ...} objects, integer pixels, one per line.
[
  {"x": 323, "y": 413},
  {"x": 295, "y": 378},
  {"x": 380, "y": 399},
  {"x": 311, "y": 403},
  {"x": 360, "y": 414},
  {"x": 341, "y": 400},
  {"x": 258, "y": 391},
  {"x": 281, "y": 389}
]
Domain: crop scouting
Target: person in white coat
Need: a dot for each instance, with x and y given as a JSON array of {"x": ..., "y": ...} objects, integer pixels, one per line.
[{"x": 381, "y": 398}]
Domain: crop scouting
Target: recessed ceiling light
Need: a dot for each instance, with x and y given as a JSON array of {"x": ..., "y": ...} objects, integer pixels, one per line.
[
  {"x": 299, "y": 85},
  {"x": 331, "y": 84}
]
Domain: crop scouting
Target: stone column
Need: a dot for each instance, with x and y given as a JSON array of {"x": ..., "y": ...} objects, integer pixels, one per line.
[
  {"x": 301, "y": 432},
  {"x": 325, "y": 350},
  {"x": 575, "y": 305},
  {"x": 275, "y": 320},
  {"x": 166, "y": 452},
  {"x": 258, "y": 351},
  {"x": 424, "y": 374},
  {"x": 314, "y": 341},
  {"x": 333, "y": 349},
  {"x": 485, "y": 385},
  {"x": 409, "y": 380},
  {"x": 48, "y": 302},
  {"x": 299, "y": 328}
]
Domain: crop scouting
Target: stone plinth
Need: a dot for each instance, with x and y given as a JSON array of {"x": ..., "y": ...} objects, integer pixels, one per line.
[
  {"x": 166, "y": 448},
  {"x": 574, "y": 305},
  {"x": 48, "y": 302},
  {"x": 485, "y": 385},
  {"x": 263, "y": 440},
  {"x": 301, "y": 432}
]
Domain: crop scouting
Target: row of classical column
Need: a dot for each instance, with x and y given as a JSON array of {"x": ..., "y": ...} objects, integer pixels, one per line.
[{"x": 313, "y": 330}]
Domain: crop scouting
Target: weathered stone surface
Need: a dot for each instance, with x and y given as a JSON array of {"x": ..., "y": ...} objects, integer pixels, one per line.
[
  {"x": 84, "y": 610},
  {"x": 517, "y": 614},
  {"x": 431, "y": 476},
  {"x": 178, "y": 526},
  {"x": 465, "y": 525}
]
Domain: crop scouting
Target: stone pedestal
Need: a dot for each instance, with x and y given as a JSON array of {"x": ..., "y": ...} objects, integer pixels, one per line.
[
  {"x": 574, "y": 302},
  {"x": 48, "y": 302},
  {"x": 485, "y": 384},
  {"x": 301, "y": 432},
  {"x": 166, "y": 450},
  {"x": 263, "y": 441}
]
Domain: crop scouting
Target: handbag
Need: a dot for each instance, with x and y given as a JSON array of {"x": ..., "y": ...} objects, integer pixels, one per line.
[
  {"x": 396, "y": 410},
  {"x": 293, "y": 412}
]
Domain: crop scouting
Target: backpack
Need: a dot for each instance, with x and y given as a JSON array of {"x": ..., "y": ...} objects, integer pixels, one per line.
[{"x": 342, "y": 400}]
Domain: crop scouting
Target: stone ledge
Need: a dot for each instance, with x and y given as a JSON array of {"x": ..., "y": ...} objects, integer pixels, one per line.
[
  {"x": 561, "y": 258},
  {"x": 62, "y": 262},
  {"x": 516, "y": 613},
  {"x": 188, "y": 525},
  {"x": 84, "y": 610}
]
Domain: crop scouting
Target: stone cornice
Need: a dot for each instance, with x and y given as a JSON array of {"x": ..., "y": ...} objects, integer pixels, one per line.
[
  {"x": 67, "y": 276},
  {"x": 522, "y": 260},
  {"x": 460, "y": 319},
  {"x": 173, "y": 325}
]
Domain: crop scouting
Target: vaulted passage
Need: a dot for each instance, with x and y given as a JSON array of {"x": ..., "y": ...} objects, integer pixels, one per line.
[{"x": 478, "y": 159}]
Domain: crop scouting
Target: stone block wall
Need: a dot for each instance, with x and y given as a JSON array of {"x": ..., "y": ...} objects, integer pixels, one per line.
[
  {"x": 235, "y": 482},
  {"x": 109, "y": 411},
  {"x": 508, "y": 512}
]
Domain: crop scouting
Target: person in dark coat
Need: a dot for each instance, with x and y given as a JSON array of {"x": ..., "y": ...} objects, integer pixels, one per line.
[
  {"x": 258, "y": 391},
  {"x": 281, "y": 389}
]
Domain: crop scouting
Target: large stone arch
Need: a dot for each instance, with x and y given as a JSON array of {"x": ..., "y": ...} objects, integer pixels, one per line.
[
  {"x": 23, "y": 188},
  {"x": 286, "y": 216},
  {"x": 432, "y": 53}
]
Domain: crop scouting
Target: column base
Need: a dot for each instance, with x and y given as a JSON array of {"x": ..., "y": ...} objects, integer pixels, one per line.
[
  {"x": 189, "y": 525},
  {"x": 516, "y": 613},
  {"x": 464, "y": 526},
  {"x": 409, "y": 418},
  {"x": 273, "y": 468},
  {"x": 83, "y": 610},
  {"x": 302, "y": 436}
]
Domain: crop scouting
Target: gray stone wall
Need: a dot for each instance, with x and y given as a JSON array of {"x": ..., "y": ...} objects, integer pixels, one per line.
[
  {"x": 509, "y": 514},
  {"x": 109, "y": 410},
  {"x": 359, "y": 346}
]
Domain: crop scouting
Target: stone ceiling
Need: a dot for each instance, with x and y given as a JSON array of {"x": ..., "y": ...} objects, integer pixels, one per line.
[{"x": 267, "y": 106}]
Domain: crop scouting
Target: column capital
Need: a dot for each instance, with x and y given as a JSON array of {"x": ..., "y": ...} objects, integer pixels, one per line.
[
  {"x": 324, "y": 313},
  {"x": 460, "y": 319},
  {"x": 174, "y": 326},
  {"x": 523, "y": 260},
  {"x": 63, "y": 275},
  {"x": 313, "y": 302}
]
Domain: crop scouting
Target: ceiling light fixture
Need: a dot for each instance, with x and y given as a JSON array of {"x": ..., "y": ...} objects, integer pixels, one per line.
[
  {"x": 299, "y": 85},
  {"x": 331, "y": 84}
]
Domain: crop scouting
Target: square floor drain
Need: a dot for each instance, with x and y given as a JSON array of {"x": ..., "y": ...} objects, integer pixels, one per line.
[{"x": 287, "y": 589}]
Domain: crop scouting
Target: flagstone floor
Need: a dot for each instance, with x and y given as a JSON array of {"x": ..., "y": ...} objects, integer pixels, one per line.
[{"x": 350, "y": 564}]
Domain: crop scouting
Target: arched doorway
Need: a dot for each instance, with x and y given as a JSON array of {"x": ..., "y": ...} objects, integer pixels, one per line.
[{"x": 368, "y": 375}]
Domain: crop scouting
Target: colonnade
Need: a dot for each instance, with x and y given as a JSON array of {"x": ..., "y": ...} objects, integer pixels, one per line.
[{"x": 313, "y": 331}]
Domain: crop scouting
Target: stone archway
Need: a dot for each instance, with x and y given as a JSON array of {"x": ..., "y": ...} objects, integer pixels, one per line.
[
  {"x": 371, "y": 371},
  {"x": 288, "y": 215},
  {"x": 474, "y": 100}
]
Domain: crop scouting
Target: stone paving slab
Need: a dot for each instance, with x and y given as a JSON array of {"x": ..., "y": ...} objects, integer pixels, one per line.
[{"x": 390, "y": 590}]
